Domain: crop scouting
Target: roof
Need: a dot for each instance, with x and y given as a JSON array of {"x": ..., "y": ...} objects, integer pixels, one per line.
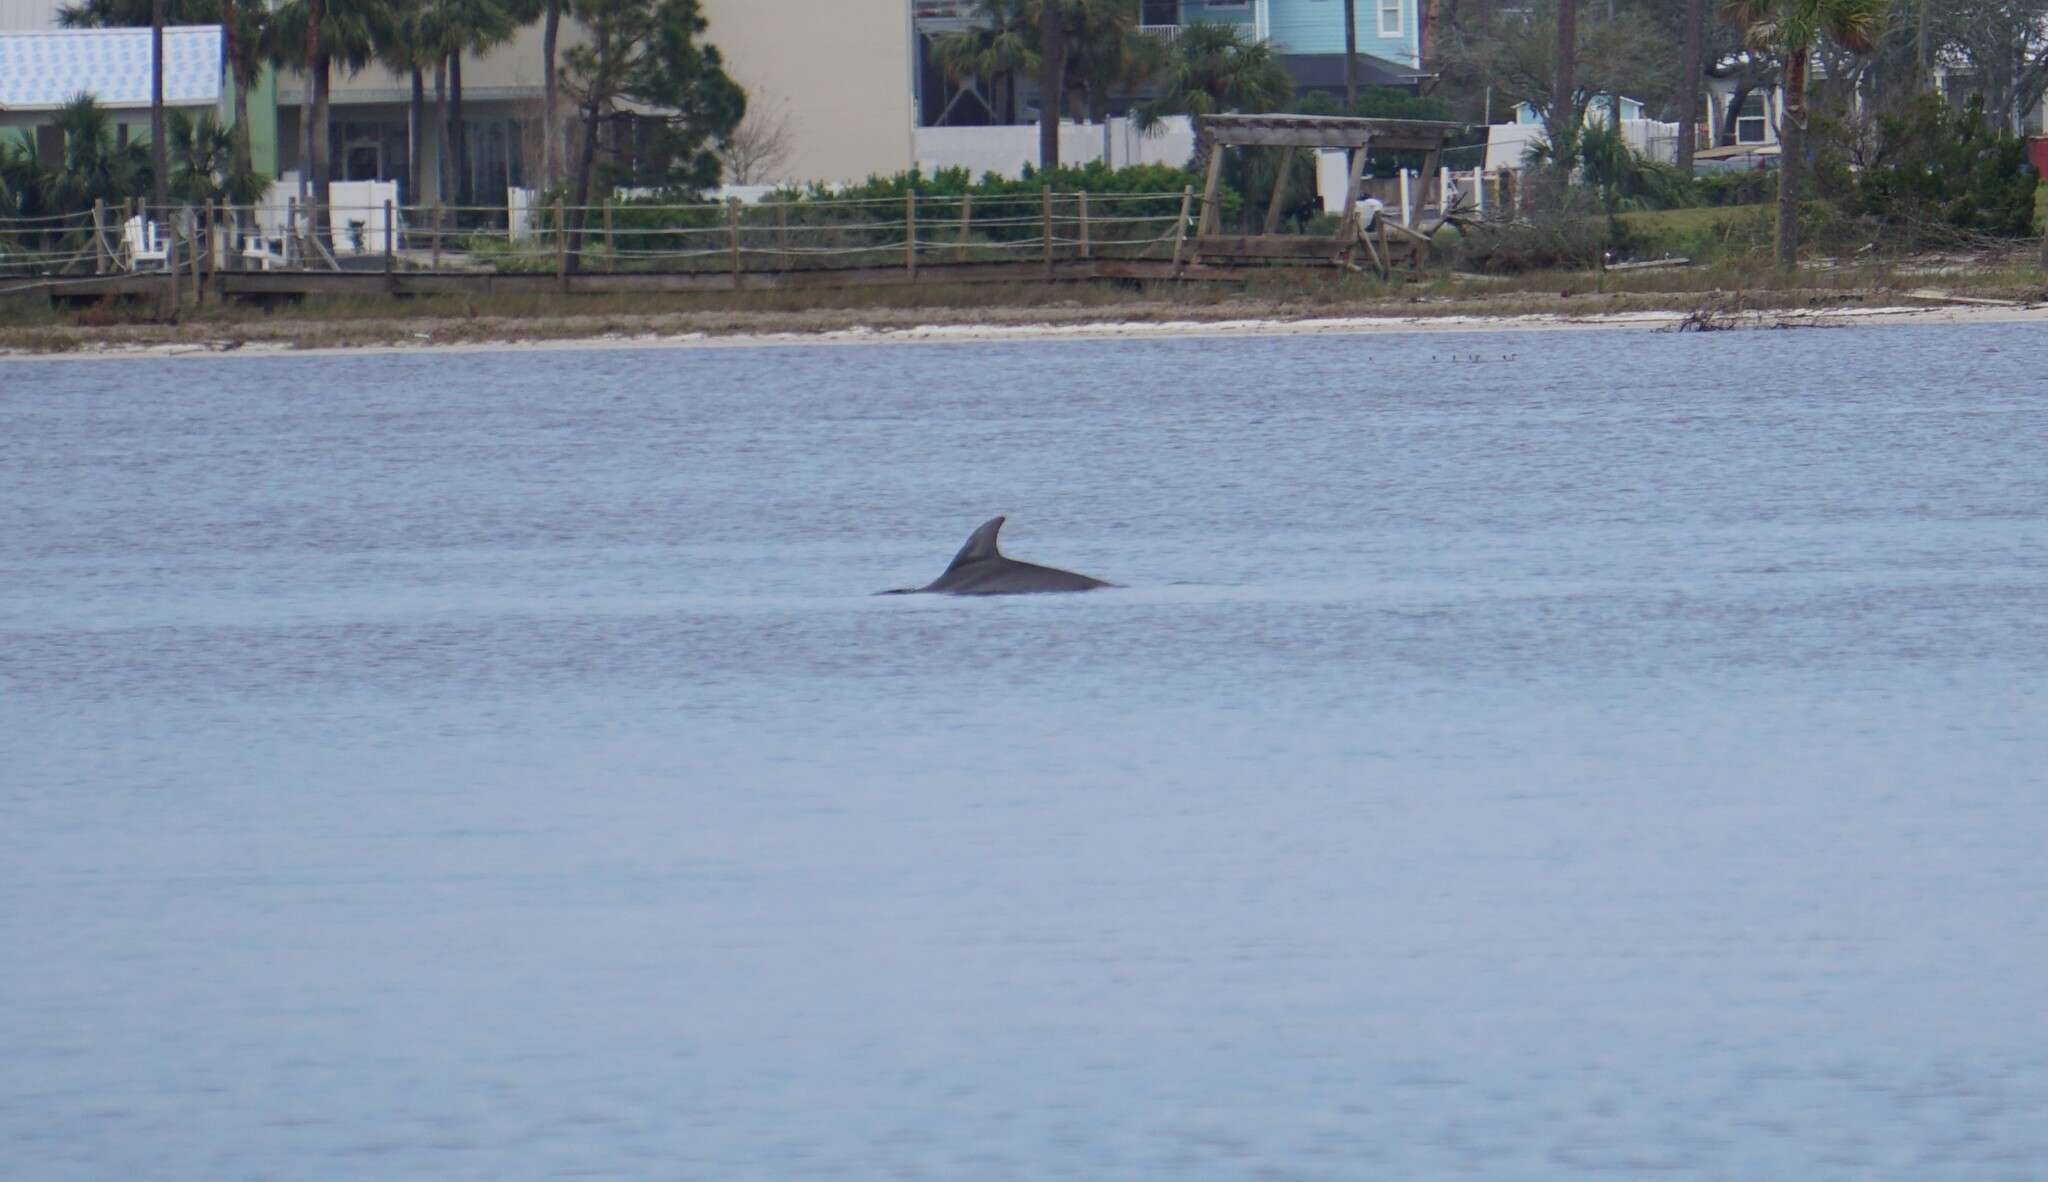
[
  {"x": 42, "y": 71},
  {"x": 1327, "y": 131},
  {"x": 1325, "y": 71}
]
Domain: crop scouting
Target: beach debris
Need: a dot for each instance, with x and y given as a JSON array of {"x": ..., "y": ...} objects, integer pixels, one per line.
[{"x": 1936, "y": 296}]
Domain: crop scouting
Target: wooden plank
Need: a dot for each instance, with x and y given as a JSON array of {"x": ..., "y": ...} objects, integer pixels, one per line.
[
  {"x": 910, "y": 233},
  {"x": 1045, "y": 210},
  {"x": 1279, "y": 190},
  {"x": 1206, "y": 225},
  {"x": 1274, "y": 246},
  {"x": 1180, "y": 229},
  {"x": 1327, "y": 131},
  {"x": 256, "y": 284}
]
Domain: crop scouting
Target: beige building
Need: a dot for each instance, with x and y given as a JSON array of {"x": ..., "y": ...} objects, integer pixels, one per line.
[
  {"x": 839, "y": 70},
  {"x": 834, "y": 75}
]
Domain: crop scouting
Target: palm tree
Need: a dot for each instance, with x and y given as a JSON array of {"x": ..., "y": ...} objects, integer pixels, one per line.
[
  {"x": 549, "y": 13},
  {"x": 95, "y": 166},
  {"x": 1052, "y": 81},
  {"x": 994, "y": 49},
  {"x": 1107, "y": 50},
  {"x": 243, "y": 29},
  {"x": 203, "y": 162},
  {"x": 314, "y": 35},
  {"x": 1791, "y": 29},
  {"x": 468, "y": 26},
  {"x": 157, "y": 170},
  {"x": 408, "y": 44},
  {"x": 1215, "y": 69}
]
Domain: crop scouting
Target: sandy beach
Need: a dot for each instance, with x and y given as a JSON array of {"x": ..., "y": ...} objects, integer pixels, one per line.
[{"x": 205, "y": 341}]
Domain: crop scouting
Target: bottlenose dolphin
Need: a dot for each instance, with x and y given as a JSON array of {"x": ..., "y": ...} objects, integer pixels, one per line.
[{"x": 981, "y": 569}]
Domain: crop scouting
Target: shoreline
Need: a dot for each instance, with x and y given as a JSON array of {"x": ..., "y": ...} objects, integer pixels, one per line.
[{"x": 1022, "y": 327}]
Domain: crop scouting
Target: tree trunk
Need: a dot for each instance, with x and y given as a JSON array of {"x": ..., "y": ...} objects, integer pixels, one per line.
[
  {"x": 1052, "y": 76},
  {"x": 458, "y": 134},
  {"x": 1791, "y": 157},
  {"x": 551, "y": 124},
  {"x": 231, "y": 48},
  {"x": 1923, "y": 50},
  {"x": 1731, "y": 116},
  {"x": 316, "y": 12},
  {"x": 444, "y": 172},
  {"x": 306, "y": 142},
  {"x": 415, "y": 138},
  {"x": 1690, "y": 82},
  {"x": 1351, "y": 57},
  {"x": 159, "y": 167},
  {"x": 586, "y": 158},
  {"x": 323, "y": 147},
  {"x": 1563, "y": 103}
]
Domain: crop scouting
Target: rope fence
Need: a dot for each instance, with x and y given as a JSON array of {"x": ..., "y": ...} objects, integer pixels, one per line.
[{"x": 914, "y": 231}]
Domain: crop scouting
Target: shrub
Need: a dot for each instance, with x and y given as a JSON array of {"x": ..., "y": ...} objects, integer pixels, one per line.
[{"x": 1943, "y": 174}]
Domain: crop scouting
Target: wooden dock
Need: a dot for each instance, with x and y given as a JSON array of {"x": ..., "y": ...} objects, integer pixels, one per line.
[{"x": 292, "y": 285}]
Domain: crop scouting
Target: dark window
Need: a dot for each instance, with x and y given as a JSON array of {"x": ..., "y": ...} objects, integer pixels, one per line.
[{"x": 1159, "y": 12}]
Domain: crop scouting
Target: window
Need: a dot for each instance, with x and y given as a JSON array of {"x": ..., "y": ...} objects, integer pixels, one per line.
[
  {"x": 1159, "y": 12},
  {"x": 1390, "y": 17},
  {"x": 1751, "y": 124}
]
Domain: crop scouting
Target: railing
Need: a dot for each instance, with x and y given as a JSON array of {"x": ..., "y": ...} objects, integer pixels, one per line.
[{"x": 912, "y": 232}]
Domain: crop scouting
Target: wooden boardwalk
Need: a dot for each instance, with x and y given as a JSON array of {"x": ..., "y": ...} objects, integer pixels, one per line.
[{"x": 283, "y": 285}]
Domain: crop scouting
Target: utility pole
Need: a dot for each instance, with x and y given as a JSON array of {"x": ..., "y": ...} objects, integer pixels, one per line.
[
  {"x": 1351, "y": 57},
  {"x": 158, "y": 168}
]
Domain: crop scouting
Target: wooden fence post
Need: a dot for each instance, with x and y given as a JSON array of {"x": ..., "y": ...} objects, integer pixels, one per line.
[
  {"x": 437, "y": 236},
  {"x": 1045, "y": 219},
  {"x": 1180, "y": 230},
  {"x": 170, "y": 242},
  {"x": 390, "y": 249},
  {"x": 1083, "y": 201},
  {"x": 732, "y": 233},
  {"x": 191, "y": 223},
  {"x": 561, "y": 250},
  {"x": 966, "y": 225},
  {"x": 212, "y": 267},
  {"x": 910, "y": 233},
  {"x": 99, "y": 236},
  {"x": 611, "y": 249},
  {"x": 781, "y": 235}
]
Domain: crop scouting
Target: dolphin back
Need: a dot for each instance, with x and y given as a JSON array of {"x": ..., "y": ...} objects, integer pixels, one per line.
[
  {"x": 981, "y": 569},
  {"x": 981, "y": 545}
]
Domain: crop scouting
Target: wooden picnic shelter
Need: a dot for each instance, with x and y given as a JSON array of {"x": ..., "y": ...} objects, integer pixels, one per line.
[{"x": 1292, "y": 133}]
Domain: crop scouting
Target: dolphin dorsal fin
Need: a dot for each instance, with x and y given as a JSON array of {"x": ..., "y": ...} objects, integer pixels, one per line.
[{"x": 981, "y": 544}]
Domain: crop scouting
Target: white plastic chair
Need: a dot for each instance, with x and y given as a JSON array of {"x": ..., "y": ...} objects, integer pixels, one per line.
[
  {"x": 263, "y": 252},
  {"x": 140, "y": 244}
]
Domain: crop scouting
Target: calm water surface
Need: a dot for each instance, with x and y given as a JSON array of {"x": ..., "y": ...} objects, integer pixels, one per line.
[{"x": 1515, "y": 756}]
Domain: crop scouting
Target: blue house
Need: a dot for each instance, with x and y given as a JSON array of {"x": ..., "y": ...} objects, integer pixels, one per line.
[
  {"x": 1389, "y": 31},
  {"x": 1309, "y": 35}
]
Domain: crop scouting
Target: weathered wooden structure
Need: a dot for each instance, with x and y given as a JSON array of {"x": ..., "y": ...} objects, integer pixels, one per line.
[
  {"x": 1388, "y": 244},
  {"x": 915, "y": 240}
]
